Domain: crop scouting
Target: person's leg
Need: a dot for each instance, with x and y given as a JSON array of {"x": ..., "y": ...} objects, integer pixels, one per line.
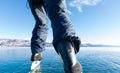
[
  {"x": 65, "y": 42},
  {"x": 61, "y": 24},
  {"x": 39, "y": 32}
]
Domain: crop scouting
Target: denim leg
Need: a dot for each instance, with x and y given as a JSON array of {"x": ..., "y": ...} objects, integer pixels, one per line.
[
  {"x": 39, "y": 33},
  {"x": 61, "y": 24}
]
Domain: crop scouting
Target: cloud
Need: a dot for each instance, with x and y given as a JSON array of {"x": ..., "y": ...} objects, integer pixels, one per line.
[
  {"x": 69, "y": 12},
  {"x": 80, "y": 3}
]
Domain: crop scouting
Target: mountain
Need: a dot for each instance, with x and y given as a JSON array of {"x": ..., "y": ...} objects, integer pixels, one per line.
[
  {"x": 14, "y": 43},
  {"x": 97, "y": 45},
  {"x": 17, "y": 43},
  {"x": 26, "y": 43}
]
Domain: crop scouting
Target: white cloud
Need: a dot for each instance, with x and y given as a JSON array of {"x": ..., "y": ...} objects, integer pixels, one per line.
[
  {"x": 69, "y": 12},
  {"x": 80, "y": 3}
]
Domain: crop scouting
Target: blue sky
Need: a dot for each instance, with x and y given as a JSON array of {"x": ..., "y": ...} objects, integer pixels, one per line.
[{"x": 95, "y": 21}]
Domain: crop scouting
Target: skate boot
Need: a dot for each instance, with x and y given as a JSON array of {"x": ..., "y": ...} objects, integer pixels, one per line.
[
  {"x": 66, "y": 51},
  {"x": 36, "y": 61}
]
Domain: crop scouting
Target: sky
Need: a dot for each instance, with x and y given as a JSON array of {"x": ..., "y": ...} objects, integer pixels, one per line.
[{"x": 95, "y": 21}]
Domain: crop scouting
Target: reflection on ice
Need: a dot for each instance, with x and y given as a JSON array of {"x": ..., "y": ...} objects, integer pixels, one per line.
[{"x": 92, "y": 59}]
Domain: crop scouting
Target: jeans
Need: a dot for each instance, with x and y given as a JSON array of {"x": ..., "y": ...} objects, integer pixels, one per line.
[{"x": 61, "y": 25}]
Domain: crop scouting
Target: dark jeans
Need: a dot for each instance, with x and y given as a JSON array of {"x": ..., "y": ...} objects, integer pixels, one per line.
[{"x": 62, "y": 27}]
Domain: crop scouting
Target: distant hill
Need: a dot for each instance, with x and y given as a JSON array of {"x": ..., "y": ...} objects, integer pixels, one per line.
[
  {"x": 26, "y": 43},
  {"x": 97, "y": 45},
  {"x": 14, "y": 43}
]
